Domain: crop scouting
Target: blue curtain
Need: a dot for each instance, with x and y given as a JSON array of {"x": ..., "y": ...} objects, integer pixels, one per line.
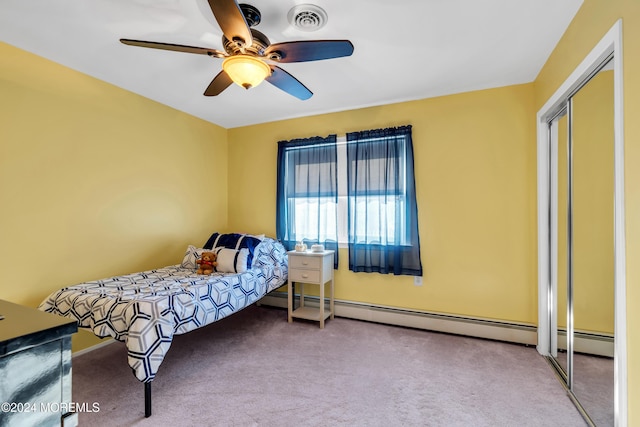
[
  {"x": 383, "y": 214},
  {"x": 307, "y": 193}
]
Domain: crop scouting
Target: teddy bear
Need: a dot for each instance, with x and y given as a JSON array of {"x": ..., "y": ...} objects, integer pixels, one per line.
[{"x": 207, "y": 263}]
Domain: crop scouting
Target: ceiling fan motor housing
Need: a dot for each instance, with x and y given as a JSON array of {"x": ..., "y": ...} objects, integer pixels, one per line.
[{"x": 260, "y": 43}]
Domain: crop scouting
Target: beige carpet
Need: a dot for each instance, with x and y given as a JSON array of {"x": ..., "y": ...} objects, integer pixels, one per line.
[
  {"x": 594, "y": 385},
  {"x": 255, "y": 369}
]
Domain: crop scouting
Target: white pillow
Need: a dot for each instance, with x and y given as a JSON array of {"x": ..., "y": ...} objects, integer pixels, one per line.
[
  {"x": 231, "y": 260},
  {"x": 191, "y": 256}
]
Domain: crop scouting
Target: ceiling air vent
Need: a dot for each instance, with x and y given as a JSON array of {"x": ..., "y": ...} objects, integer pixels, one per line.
[{"x": 307, "y": 17}]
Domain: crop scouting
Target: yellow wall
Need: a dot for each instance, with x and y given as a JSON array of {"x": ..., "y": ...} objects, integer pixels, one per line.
[
  {"x": 476, "y": 188},
  {"x": 97, "y": 181},
  {"x": 593, "y": 20}
]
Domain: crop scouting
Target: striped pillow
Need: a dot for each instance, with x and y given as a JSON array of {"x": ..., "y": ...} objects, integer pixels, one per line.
[
  {"x": 234, "y": 241},
  {"x": 231, "y": 260}
]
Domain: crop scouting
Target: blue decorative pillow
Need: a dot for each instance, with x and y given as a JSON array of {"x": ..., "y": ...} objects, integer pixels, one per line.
[{"x": 234, "y": 241}]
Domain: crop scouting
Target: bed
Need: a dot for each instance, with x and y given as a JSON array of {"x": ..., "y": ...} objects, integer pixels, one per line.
[{"x": 146, "y": 309}]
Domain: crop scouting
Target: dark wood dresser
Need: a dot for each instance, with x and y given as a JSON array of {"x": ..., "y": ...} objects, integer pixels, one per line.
[{"x": 35, "y": 367}]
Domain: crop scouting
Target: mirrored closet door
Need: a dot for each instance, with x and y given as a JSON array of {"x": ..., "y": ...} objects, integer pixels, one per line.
[{"x": 582, "y": 310}]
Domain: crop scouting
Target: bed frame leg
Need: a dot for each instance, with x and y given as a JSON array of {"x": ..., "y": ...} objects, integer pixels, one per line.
[{"x": 147, "y": 400}]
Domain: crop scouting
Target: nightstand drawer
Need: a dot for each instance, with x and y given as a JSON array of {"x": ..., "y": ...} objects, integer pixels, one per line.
[
  {"x": 305, "y": 262},
  {"x": 307, "y": 276}
]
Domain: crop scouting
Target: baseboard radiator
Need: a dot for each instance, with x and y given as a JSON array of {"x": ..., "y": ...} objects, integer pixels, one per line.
[
  {"x": 521, "y": 333},
  {"x": 588, "y": 342}
]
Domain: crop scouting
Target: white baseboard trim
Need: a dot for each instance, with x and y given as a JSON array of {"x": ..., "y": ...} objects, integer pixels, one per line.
[{"x": 521, "y": 333}]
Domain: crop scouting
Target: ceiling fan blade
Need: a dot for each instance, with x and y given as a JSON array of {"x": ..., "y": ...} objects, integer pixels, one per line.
[
  {"x": 218, "y": 84},
  {"x": 174, "y": 47},
  {"x": 311, "y": 50},
  {"x": 231, "y": 20},
  {"x": 285, "y": 81}
]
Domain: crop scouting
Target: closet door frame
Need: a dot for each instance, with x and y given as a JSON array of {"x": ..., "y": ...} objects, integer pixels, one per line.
[{"x": 610, "y": 44}]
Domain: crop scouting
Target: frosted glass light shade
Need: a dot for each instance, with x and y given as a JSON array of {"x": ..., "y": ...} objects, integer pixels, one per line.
[{"x": 245, "y": 70}]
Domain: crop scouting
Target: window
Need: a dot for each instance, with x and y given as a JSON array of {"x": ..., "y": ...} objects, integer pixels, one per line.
[
  {"x": 377, "y": 192},
  {"x": 358, "y": 191},
  {"x": 307, "y": 193}
]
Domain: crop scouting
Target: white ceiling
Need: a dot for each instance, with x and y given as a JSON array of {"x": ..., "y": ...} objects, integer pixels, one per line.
[{"x": 403, "y": 49}]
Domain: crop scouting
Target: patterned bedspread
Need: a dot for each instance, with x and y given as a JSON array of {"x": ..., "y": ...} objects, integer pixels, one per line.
[{"x": 145, "y": 310}]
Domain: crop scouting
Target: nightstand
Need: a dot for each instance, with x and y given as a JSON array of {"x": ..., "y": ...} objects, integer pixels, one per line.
[{"x": 314, "y": 268}]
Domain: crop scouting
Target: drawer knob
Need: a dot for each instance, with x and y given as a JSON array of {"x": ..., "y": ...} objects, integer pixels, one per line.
[{"x": 304, "y": 276}]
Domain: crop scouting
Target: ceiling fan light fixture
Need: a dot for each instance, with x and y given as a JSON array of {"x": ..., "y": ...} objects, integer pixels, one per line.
[{"x": 246, "y": 70}]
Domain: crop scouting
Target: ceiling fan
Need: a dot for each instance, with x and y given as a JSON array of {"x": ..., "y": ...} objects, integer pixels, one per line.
[{"x": 249, "y": 57}]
